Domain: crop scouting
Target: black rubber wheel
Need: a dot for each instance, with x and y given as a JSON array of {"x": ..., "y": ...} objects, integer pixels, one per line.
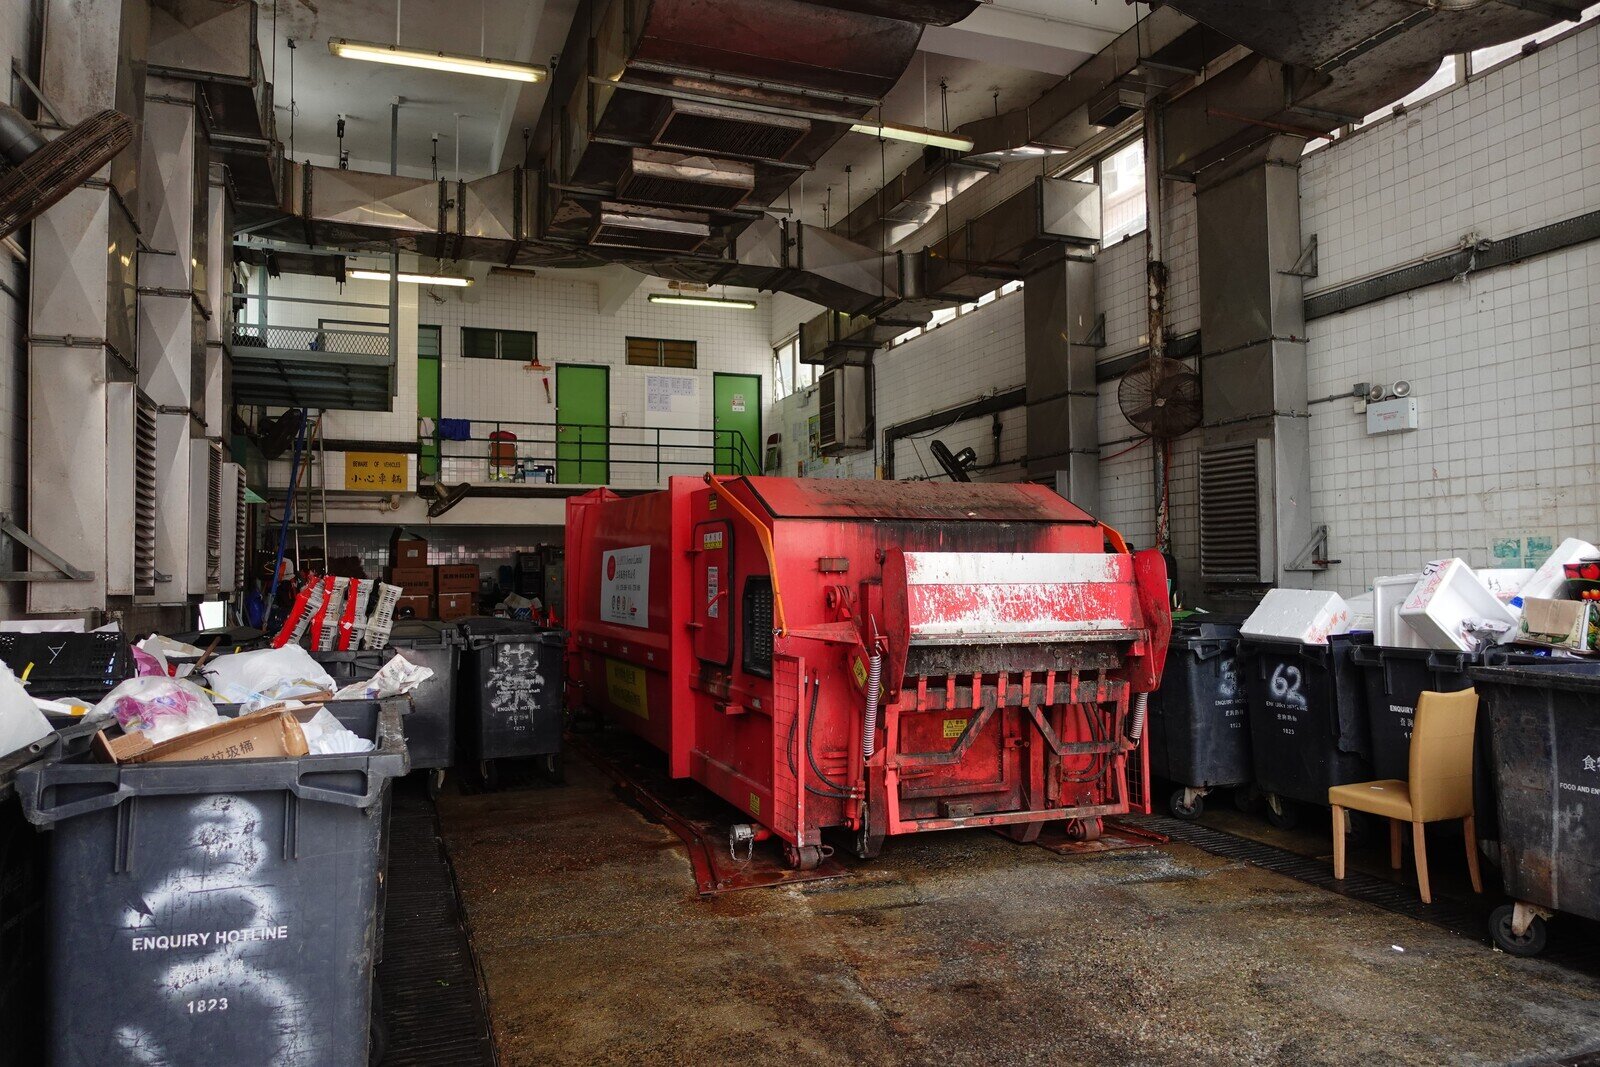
[
  {"x": 1247, "y": 798},
  {"x": 1188, "y": 812},
  {"x": 803, "y": 857},
  {"x": 1531, "y": 943},
  {"x": 553, "y": 767},
  {"x": 1287, "y": 817}
]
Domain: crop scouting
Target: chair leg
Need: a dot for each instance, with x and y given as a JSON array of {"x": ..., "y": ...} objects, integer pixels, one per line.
[
  {"x": 1469, "y": 828},
  {"x": 1338, "y": 843},
  {"x": 1419, "y": 845},
  {"x": 1396, "y": 848}
]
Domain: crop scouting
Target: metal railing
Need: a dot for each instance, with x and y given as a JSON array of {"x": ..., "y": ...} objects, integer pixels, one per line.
[
  {"x": 373, "y": 342},
  {"x": 579, "y": 454}
]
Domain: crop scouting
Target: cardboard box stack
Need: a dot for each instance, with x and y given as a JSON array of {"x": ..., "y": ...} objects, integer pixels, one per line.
[{"x": 408, "y": 568}]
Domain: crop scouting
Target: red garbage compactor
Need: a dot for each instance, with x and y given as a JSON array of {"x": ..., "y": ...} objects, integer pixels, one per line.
[{"x": 880, "y": 657}]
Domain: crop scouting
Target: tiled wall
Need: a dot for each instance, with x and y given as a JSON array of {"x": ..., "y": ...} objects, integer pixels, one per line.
[{"x": 16, "y": 32}]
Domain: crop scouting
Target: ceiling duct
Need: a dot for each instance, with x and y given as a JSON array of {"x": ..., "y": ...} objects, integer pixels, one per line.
[
  {"x": 1321, "y": 64},
  {"x": 669, "y": 178},
  {"x": 651, "y": 228},
  {"x": 1114, "y": 107},
  {"x": 728, "y": 131}
]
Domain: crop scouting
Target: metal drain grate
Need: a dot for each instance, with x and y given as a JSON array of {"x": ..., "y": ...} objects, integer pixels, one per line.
[{"x": 433, "y": 1001}]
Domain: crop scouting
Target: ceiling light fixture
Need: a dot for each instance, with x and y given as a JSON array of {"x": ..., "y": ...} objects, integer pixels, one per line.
[
  {"x": 914, "y": 135},
  {"x": 450, "y": 62},
  {"x": 701, "y": 301},
  {"x": 414, "y": 279}
]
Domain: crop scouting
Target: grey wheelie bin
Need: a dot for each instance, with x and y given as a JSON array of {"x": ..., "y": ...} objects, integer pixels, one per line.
[
  {"x": 1199, "y": 728},
  {"x": 1546, "y": 756},
  {"x": 510, "y": 694},
  {"x": 215, "y": 912}
]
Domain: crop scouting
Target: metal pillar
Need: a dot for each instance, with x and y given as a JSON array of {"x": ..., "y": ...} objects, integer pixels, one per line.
[
  {"x": 1252, "y": 325},
  {"x": 1058, "y": 317}
]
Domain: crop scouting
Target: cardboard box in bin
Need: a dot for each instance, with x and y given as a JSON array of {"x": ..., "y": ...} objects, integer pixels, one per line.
[
  {"x": 456, "y": 578},
  {"x": 264, "y": 734},
  {"x": 1570, "y": 624},
  {"x": 456, "y": 605},
  {"x": 414, "y": 607}
]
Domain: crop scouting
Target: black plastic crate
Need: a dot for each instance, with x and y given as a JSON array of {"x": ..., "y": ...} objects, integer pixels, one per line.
[{"x": 83, "y": 666}]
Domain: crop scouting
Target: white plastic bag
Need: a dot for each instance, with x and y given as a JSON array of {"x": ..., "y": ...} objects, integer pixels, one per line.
[
  {"x": 396, "y": 678},
  {"x": 267, "y": 676},
  {"x": 327, "y": 736},
  {"x": 161, "y": 708},
  {"x": 21, "y": 722}
]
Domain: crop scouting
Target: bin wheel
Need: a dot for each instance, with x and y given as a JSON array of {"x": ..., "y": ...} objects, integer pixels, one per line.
[
  {"x": 1180, "y": 810},
  {"x": 489, "y": 774},
  {"x": 1247, "y": 798},
  {"x": 553, "y": 767},
  {"x": 435, "y": 783},
  {"x": 1281, "y": 813},
  {"x": 802, "y": 857},
  {"x": 1531, "y": 943},
  {"x": 1085, "y": 829}
]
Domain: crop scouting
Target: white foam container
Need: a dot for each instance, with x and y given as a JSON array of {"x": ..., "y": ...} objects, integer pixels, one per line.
[
  {"x": 1549, "y": 582},
  {"x": 1389, "y": 630},
  {"x": 1361, "y": 609},
  {"x": 1449, "y": 594},
  {"x": 1305, "y": 615},
  {"x": 1505, "y": 582}
]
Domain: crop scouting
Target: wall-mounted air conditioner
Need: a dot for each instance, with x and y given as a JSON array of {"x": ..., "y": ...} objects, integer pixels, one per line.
[
  {"x": 234, "y": 535},
  {"x": 843, "y": 411}
]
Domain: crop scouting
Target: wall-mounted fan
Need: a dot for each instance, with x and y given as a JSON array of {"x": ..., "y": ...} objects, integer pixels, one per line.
[
  {"x": 956, "y": 465},
  {"x": 35, "y": 173},
  {"x": 1161, "y": 397}
]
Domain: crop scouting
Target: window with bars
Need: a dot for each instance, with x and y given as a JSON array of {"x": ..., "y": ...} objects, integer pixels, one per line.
[
  {"x": 658, "y": 352},
  {"x": 480, "y": 343}
]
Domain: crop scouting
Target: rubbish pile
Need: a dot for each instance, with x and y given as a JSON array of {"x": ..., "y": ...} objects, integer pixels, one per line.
[{"x": 1448, "y": 606}]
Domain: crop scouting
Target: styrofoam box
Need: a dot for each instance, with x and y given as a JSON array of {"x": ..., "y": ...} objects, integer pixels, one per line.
[
  {"x": 1305, "y": 615},
  {"x": 1549, "y": 582},
  {"x": 1506, "y": 582},
  {"x": 1389, "y": 630},
  {"x": 1447, "y": 595},
  {"x": 1361, "y": 620}
]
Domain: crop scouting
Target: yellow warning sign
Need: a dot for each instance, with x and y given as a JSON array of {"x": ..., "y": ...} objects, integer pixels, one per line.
[
  {"x": 625, "y": 687},
  {"x": 387, "y": 472},
  {"x": 755, "y": 804},
  {"x": 859, "y": 669},
  {"x": 954, "y": 728}
]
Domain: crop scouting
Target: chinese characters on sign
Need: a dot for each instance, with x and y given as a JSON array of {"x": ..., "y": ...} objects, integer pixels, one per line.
[{"x": 384, "y": 472}]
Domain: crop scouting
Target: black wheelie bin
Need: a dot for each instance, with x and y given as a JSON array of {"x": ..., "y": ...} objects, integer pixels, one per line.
[
  {"x": 1308, "y": 725},
  {"x": 215, "y": 912},
  {"x": 510, "y": 695},
  {"x": 1199, "y": 732}
]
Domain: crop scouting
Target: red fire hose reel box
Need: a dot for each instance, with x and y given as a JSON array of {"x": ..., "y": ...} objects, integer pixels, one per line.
[{"x": 877, "y": 658}]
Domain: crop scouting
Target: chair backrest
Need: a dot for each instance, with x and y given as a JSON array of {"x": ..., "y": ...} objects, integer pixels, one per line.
[{"x": 1441, "y": 755}]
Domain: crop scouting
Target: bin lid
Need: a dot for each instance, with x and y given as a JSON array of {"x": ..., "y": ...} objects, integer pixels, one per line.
[
  {"x": 1570, "y": 675},
  {"x": 423, "y": 631},
  {"x": 837, "y": 498}
]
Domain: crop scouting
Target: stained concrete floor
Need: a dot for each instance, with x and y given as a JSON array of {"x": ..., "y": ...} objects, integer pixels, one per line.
[{"x": 965, "y": 948}]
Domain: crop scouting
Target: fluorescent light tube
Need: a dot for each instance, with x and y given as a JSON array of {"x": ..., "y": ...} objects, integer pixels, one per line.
[
  {"x": 450, "y": 62},
  {"x": 414, "y": 279},
  {"x": 914, "y": 135},
  {"x": 701, "y": 301}
]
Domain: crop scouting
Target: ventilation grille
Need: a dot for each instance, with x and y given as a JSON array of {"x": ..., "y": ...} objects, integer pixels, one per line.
[
  {"x": 828, "y": 410},
  {"x": 632, "y": 226},
  {"x": 729, "y": 131},
  {"x": 1232, "y": 493},
  {"x": 241, "y": 521},
  {"x": 214, "y": 517},
  {"x": 144, "y": 497},
  {"x": 693, "y": 181}
]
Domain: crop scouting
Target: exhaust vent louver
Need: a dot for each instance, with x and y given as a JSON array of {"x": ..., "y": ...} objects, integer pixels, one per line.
[
  {"x": 693, "y": 181},
  {"x": 1235, "y": 491},
  {"x": 214, "y": 517},
  {"x": 729, "y": 131},
  {"x": 842, "y": 411},
  {"x": 655, "y": 229},
  {"x": 240, "y": 519},
  {"x": 144, "y": 498}
]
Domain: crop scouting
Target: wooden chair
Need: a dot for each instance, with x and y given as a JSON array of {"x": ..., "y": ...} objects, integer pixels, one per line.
[{"x": 1440, "y": 786}]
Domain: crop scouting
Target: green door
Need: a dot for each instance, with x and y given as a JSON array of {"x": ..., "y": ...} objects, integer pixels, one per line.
[
  {"x": 736, "y": 418},
  {"x": 428, "y": 398},
  {"x": 583, "y": 410}
]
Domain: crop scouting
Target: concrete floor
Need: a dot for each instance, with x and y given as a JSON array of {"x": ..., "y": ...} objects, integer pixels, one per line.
[{"x": 965, "y": 948}]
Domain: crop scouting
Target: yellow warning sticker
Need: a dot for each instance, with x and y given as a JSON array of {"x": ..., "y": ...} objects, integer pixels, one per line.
[
  {"x": 625, "y": 687},
  {"x": 954, "y": 728},
  {"x": 860, "y": 670},
  {"x": 711, "y": 505},
  {"x": 711, "y": 541},
  {"x": 755, "y": 804}
]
